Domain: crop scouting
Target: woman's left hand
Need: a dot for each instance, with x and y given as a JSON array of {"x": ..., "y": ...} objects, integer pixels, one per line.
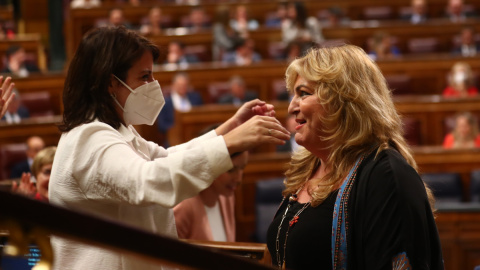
[{"x": 247, "y": 111}]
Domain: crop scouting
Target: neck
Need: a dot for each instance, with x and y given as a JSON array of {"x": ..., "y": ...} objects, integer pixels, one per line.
[{"x": 209, "y": 196}]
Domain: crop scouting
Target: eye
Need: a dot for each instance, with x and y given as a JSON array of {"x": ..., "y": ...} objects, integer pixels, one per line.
[
  {"x": 304, "y": 94},
  {"x": 146, "y": 77}
]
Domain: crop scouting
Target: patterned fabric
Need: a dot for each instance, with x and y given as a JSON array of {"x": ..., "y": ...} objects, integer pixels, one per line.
[
  {"x": 401, "y": 262},
  {"x": 340, "y": 216}
]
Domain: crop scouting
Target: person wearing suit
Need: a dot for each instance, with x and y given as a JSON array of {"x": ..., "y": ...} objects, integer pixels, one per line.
[
  {"x": 467, "y": 47},
  {"x": 244, "y": 53},
  {"x": 177, "y": 55},
  {"x": 210, "y": 216},
  {"x": 418, "y": 14},
  {"x": 181, "y": 99},
  {"x": 15, "y": 111},
  {"x": 238, "y": 93},
  {"x": 34, "y": 145},
  {"x": 456, "y": 11}
]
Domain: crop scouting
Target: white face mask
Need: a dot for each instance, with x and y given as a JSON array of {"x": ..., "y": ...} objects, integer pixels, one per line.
[
  {"x": 143, "y": 104},
  {"x": 459, "y": 77}
]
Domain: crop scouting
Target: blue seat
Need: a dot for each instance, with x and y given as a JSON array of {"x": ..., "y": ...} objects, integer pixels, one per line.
[
  {"x": 267, "y": 199},
  {"x": 447, "y": 187},
  {"x": 475, "y": 187}
]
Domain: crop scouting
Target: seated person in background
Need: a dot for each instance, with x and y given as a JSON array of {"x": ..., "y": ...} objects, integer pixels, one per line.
[
  {"x": 210, "y": 216},
  {"x": 461, "y": 81},
  {"x": 468, "y": 46},
  {"x": 238, "y": 93},
  {"x": 276, "y": 19},
  {"x": 456, "y": 12},
  {"x": 34, "y": 145},
  {"x": 41, "y": 168},
  {"x": 15, "y": 110},
  {"x": 465, "y": 133},
  {"x": 176, "y": 54},
  {"x": 419, "y": 12},
  {"x": 153, "y": 24},
  {"x": 241, "y": 22},
  {"x": 115, "y": 18},
  {"x": 16, "y": 62},
  {"x": 244, "y": 53},
  {"x": 197, "y": 20},
  {"x": 335, "y": 16},
  {"x": 382, "y": 48},
  {"x": 223, "y": 35},
  {"x": 290, "y": 145},
  {"x": 181, "y": 99},
  {"x": 85, "y": 3},
  {"x": 300, "y": 27}
]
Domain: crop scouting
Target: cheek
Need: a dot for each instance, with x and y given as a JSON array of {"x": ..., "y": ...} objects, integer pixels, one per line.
[{"x": 42, "y": 181}]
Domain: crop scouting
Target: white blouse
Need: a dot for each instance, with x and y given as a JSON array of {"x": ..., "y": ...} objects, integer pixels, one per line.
[{"x": 116, "y": 174}]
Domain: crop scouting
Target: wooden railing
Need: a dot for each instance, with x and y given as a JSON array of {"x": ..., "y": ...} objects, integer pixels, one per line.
[{"x": 27, "y": 217}]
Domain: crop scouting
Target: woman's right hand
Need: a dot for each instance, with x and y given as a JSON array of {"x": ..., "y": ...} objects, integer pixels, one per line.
[
  {"x": 6, "y": 95},
  {"x": 26, "y": 187},
  {"x": 254, "y": 132}
]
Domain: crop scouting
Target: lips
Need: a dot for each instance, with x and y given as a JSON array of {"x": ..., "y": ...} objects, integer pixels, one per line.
[{"x": 300, "y": 122}]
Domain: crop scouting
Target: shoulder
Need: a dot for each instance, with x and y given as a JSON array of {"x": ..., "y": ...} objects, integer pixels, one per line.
[{"x": 388, "y": 172}]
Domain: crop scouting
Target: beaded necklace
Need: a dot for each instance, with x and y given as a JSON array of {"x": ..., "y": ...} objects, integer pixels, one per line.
[{"x": 291, "y": 200}]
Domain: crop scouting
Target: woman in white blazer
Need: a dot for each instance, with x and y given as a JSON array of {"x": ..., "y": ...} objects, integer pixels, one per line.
[{"x": 104, "y": 167}]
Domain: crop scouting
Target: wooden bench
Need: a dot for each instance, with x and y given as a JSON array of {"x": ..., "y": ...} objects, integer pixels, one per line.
[
  {"x": 32, "y": 44},
  {"x": 81, "y": 20}
]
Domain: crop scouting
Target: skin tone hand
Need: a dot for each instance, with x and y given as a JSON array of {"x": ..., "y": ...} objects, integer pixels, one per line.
[
  {"x": 247, "y": 111},
  {"x": 26, "y": 187},
  {"x": 257, "y": 131},
  {"x": 6, "y": 95}
]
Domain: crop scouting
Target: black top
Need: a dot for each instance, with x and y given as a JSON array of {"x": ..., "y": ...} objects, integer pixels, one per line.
[
  {"x": 389, "y": 217},
  {"x": 309, "y": 240}
]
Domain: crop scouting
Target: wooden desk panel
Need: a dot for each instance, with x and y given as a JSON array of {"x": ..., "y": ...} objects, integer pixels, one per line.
[
  {"x": 32, "y": 44},
  {"x": 45, "y": 127}
]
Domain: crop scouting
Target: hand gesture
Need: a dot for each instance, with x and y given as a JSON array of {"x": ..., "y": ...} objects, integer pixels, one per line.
[
  {"x": 6, "y": 95},
  {"x": 256, "y": 131},
  {"x": 26, "y": 187},
  {"x": 244, "y": 113}
]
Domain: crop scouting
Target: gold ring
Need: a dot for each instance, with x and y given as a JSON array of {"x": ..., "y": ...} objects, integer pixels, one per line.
[{"x": 270, "y": 132}]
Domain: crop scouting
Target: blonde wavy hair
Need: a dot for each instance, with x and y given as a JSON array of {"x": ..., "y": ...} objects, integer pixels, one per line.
[
  {"x": 44, "y": 157},
  {"x": 359, "y": 114}
]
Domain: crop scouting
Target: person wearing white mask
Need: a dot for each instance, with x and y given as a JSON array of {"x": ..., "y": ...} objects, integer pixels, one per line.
[
  {"x": 461, "y": 81},
  {"x": 104, "y": 167}
]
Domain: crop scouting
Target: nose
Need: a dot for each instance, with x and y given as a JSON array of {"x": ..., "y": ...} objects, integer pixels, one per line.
[{"x": 293, "y": 106}]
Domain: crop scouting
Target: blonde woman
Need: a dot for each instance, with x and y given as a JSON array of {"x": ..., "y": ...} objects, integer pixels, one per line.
[
  {"x": 356, "y": 167},
  {"x": 465, "y": 134},
  {"x": 461, "y": 81}
]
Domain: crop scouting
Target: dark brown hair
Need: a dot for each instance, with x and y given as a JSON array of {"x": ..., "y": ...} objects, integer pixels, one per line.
[{"x": 102, "y": 52}]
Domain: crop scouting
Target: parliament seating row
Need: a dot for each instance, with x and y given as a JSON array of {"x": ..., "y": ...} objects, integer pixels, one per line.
[
  {"x": 426, "y": 121},
  {"x": 423, "y": 75},
  {"x": 81, "y": 20}
]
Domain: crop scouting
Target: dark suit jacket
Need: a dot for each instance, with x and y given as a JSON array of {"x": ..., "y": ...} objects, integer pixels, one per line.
[
  {"x": 22, "y": 112},
  {"x": 166, "y": 118},
  {"x": 228, "y": 98},
  {"x": 19, "y": 168},
  {"x": 458, "y": 49}
]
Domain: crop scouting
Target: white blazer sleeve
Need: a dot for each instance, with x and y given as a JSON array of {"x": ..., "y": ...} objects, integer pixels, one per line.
[{"x": 106, "y": 167}]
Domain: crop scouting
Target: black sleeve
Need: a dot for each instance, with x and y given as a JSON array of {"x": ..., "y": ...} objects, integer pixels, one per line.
[{"x": 391, "y": 218}]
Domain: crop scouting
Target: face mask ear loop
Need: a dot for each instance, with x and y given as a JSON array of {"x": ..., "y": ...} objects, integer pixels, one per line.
[
  {"x": 124, "y": 84},
  {"x": 114, "y": 96}
]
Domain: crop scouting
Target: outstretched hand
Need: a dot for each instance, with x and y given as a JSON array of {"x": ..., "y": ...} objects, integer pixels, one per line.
[
  {"x": 6, "y": 95},
  {"x": 246, "y": 112},
  {"x": 256, "y": 131}
]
